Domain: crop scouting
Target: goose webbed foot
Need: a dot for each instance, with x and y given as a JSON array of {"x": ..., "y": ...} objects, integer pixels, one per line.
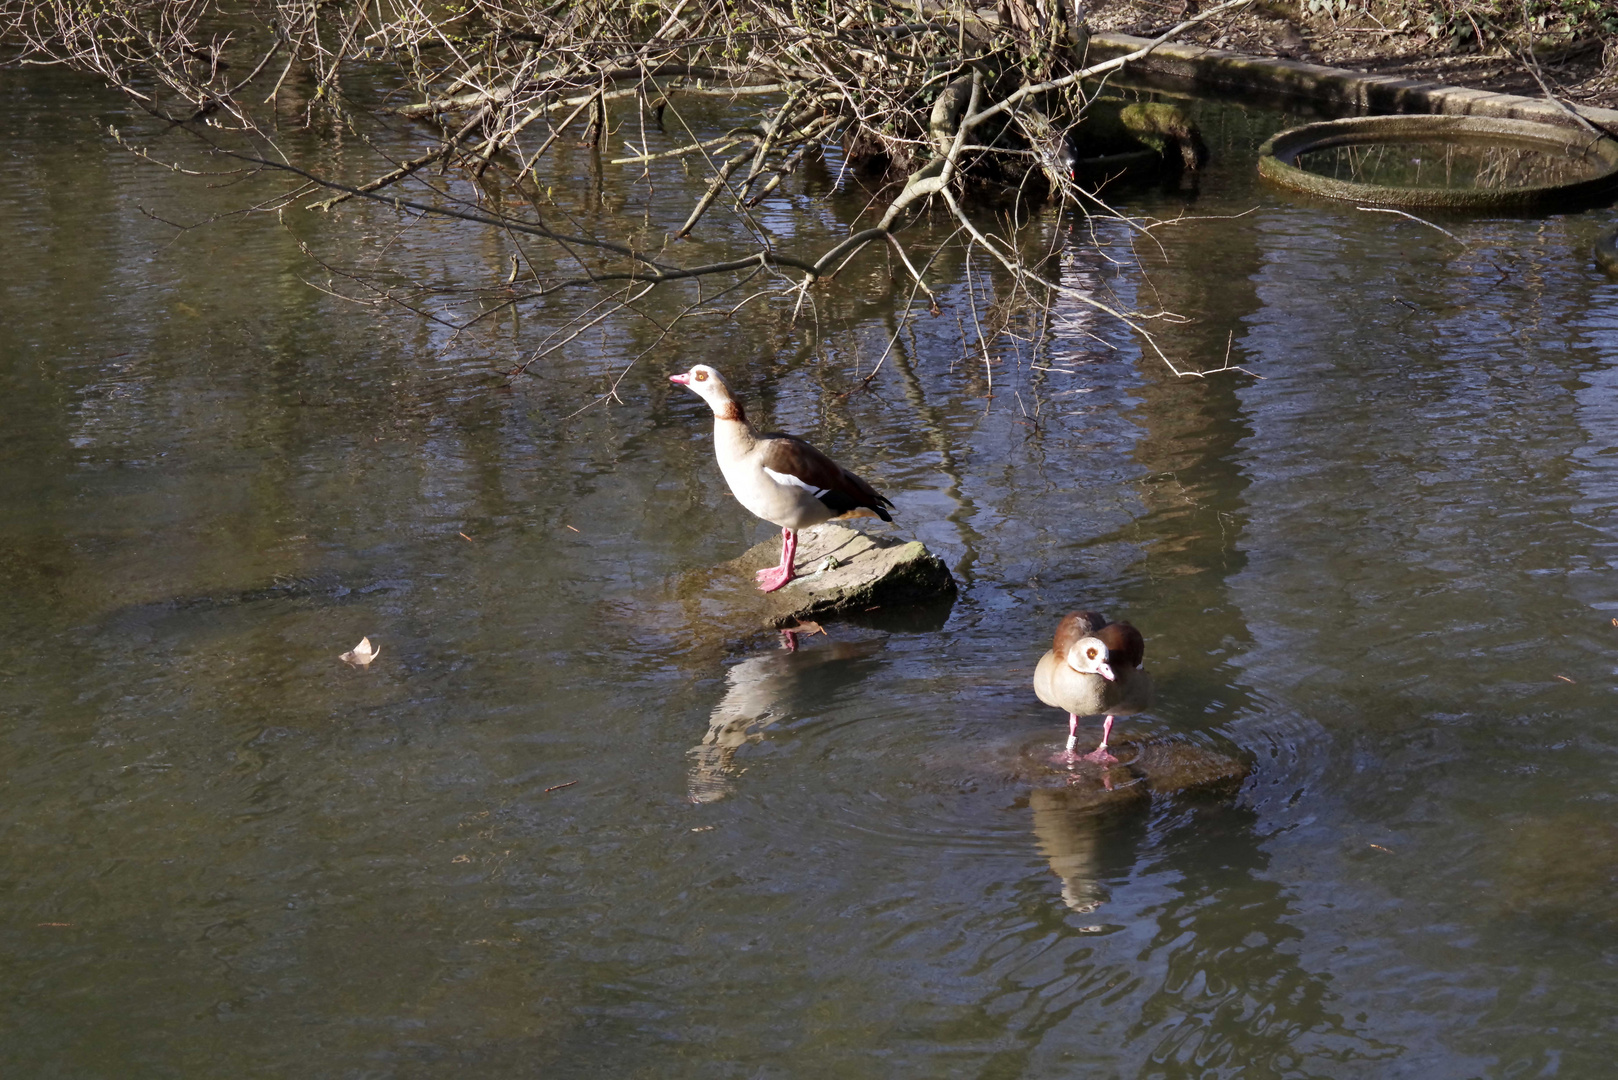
[
  {"x": 1100, "y": 755},
  {"x": 773, "y": 578}
]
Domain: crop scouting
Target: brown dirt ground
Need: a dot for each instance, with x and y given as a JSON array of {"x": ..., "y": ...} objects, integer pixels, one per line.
[{"x": 1583, "y": 72}]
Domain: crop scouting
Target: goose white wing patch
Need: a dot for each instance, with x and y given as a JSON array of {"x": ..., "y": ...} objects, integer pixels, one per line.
[{"x": 788, "y": 480}]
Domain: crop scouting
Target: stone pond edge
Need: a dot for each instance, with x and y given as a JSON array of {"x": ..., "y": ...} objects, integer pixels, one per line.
[{"x": 1207, "y": 68}]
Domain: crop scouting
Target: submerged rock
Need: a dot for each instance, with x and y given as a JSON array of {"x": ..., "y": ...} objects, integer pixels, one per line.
[
  {"x": 1607, "y": 252},
  {"x": 843, "y": 572},
  {"x": 1562, "y": 871},
  {"x": 1158, "y": 766}
]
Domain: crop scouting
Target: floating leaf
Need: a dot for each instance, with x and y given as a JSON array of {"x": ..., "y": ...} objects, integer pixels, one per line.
[{"x": 361, "y": 654}]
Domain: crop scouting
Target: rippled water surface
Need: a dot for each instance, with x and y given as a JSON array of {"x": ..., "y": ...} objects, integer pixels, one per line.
[{"x": 1378, "y": 569}]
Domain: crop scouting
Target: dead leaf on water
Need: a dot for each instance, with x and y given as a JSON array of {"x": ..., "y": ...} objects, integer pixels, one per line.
[{"x": 361, "y": 654}]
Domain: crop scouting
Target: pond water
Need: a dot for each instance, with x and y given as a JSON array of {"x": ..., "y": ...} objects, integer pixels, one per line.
[{"x": 1379, "y": 569}]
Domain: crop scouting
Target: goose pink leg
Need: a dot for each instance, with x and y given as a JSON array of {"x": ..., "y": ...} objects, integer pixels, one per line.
[
  {"x": 777, "y": 576},
  {"x": 1099, "y": 755}
]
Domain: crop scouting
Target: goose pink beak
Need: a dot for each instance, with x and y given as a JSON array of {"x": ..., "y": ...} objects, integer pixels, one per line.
[
  {"x": 1105, "y": 671},
  {"x": 684, "y": 379}
]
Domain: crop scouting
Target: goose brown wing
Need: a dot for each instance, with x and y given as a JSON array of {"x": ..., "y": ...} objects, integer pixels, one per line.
[
  {"x": 1124, "y": 643},
  {"x": 791, "y": 460},
  {"x": 1076, "y": 625}
]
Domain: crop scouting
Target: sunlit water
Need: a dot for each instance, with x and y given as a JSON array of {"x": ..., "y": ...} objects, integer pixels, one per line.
[{"x": 1382, "y": 574}]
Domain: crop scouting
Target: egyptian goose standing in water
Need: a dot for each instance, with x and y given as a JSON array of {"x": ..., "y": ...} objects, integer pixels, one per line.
[
  {"x": 1093, "y": 669},
  {"x": 780, "y": 478}
]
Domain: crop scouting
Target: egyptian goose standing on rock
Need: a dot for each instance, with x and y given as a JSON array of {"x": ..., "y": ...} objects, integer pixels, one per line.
[
  {"x": 1093, "y": 669},
  {"x": 780, "y": 478}
]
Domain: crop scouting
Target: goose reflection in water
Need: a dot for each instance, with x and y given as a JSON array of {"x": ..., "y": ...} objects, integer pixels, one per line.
[
  {"x": 1089, "y": 818},
  {"x": 1089, "y": 839},
  {"x": 1088, "y": 821},
  {"x": 764, "y": 690}
]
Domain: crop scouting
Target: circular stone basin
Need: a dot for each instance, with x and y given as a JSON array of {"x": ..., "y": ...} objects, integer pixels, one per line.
[{"x": 1443, "y": 162}]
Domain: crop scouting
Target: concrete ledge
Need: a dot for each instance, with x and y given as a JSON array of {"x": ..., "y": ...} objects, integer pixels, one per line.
[{"x": 1199, "y": 68}]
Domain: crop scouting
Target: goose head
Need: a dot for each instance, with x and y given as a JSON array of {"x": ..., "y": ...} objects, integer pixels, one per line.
[
  {"x": 1089, "y": 656},
  {"x": 706, "y": 383}
]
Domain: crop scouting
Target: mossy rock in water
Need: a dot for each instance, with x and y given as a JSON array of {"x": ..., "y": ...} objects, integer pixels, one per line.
[
  {"x": 1142, "y": 138},
  {"x": 1145, "y": 767},
  {"x": 1607, "y": 253},
  {"x": 1160, "y": 126},
  {"x": 842, "y": 573}
]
